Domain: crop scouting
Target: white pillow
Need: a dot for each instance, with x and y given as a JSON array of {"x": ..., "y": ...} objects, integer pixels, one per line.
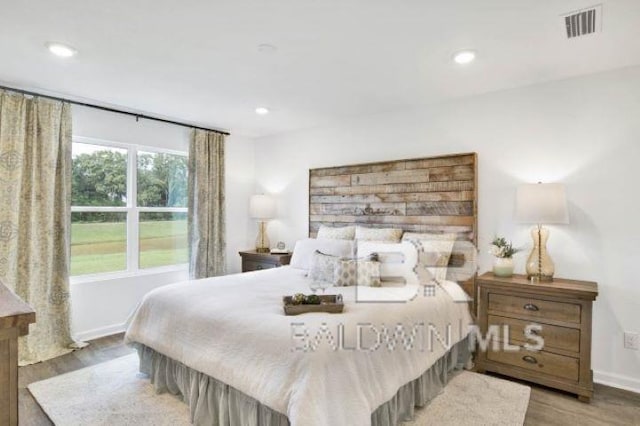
[
  {"x": 337, "y": 233},
  {"x": 386, "y": 235},
  {"x": 304, "y": 250},
  {"x": 398, "y": 262}
]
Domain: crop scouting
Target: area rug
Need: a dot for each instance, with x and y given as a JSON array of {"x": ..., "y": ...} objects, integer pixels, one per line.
[
  {"x": 115, "y": 393},
  {"x": 476, "y": 399}
]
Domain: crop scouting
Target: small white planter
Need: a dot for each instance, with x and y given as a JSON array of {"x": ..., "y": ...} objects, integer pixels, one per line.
[{"x": 503, "y": 266}]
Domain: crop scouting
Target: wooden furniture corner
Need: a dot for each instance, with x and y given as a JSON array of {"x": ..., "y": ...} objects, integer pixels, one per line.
[
  {"x": 562, "y": 313},
  {"x": 254, "y": 261},
  {"x": 15, "y": 317}
]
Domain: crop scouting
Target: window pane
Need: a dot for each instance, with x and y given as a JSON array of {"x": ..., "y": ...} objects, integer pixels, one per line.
[
  {"x": 162, "y": 180},
  {"x": 163, "y": 239},
  {"x": 99, "y": 175},
  {"x": 98, "y": 243}
]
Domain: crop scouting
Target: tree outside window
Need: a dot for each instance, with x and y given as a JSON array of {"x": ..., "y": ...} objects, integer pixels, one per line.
[{"x": 128, "y": 208}]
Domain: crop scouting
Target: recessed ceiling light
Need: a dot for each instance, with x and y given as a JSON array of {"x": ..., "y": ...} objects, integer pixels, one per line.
[
  {"x": 464, "y": 57},
  {"x": 267, "y": 48},
  {"x": 262, "y": 111},
  {"x": 61, "y": 50}
]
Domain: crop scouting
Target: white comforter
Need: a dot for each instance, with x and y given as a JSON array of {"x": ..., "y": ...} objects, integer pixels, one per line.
[{"x": 233, "y": 328}]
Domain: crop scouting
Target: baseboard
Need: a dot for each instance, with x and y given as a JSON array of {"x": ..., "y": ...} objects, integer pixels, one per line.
[
  {"x": 96, "y": 333},
  {"x": 617, "y": 381}
]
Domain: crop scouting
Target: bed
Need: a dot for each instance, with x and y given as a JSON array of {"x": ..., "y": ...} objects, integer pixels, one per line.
[{"x": 224, "y": 345}]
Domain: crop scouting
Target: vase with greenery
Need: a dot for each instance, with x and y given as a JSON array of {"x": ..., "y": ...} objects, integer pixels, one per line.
[{"x": 503, "y": 252}]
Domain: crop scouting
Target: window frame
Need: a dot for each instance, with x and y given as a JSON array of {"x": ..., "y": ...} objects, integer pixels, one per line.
[{"x": 132, "y": 211}]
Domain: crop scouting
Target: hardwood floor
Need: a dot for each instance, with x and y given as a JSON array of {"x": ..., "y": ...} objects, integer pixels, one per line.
[{"x": 609, "y": 406}]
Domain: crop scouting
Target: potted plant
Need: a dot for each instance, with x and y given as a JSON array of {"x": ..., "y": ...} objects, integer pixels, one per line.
[{"x": 503, "y": 252}]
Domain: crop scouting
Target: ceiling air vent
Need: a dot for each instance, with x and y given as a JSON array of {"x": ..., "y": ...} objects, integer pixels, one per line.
[{"x": 583, "y": 22}]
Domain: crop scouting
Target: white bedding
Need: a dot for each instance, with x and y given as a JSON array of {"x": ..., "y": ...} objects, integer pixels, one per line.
[{"x": 233, "y": 329}]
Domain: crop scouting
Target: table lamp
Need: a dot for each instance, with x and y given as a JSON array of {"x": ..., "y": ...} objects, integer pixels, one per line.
[
  {"x": 542, "y": 204},
  {"x": 263, "y": 208}
]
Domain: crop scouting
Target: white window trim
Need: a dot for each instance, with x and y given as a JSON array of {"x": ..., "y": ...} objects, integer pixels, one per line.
[{"x": 133, "y": 217}]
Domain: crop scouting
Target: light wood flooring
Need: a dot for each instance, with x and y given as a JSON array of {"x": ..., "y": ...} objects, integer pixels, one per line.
[{"x": 609, "y": 406}]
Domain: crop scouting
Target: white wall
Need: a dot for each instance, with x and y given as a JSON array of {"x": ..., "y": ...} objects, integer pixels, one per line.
[
  {"x": 584, "y": 132},
  {"x": 102, "y": 307}
]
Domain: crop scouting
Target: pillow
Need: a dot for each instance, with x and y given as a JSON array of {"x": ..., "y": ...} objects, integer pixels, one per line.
[
  {"x": 323, "y": 267},
  {"x": 387, "y": 235},
  {"x": 398, "y": 262},
  {"x": 428, "y": 236},
  {"x": 434, "y": 252},
  {"x": 304, "y": 250},
  {"x": 364, "y": 271},
  {"x": 465, "y": 263},
  {"x": 337, "y": 233}
]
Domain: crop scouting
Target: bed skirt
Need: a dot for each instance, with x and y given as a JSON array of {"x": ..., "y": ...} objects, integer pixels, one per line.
[{"x": 212, "y": 402}]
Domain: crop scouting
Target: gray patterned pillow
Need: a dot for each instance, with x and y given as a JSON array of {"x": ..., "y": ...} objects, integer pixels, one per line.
[
  {"x": 323, "y": 267},
  {"x": 365, "y": 272}
]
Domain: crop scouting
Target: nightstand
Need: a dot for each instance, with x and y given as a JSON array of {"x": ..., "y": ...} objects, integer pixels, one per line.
[
  {"x": 254, "y": 261},
  {"x": 560, "y": 310}
]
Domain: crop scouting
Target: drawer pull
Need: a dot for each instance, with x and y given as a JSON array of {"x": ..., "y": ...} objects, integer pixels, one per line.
[
  {"x": 531, "y": 307},
  {"x": 529, "y": 359},
  {"x": 259, "y": 267}
]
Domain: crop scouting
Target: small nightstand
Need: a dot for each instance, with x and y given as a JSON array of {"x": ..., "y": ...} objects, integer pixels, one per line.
[
  {"x": 254, "y": 261},
  {"x": 561, "y": 308}
]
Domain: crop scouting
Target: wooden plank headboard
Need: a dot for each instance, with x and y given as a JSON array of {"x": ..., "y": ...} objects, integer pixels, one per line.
[{"x": 435, "y": 194}]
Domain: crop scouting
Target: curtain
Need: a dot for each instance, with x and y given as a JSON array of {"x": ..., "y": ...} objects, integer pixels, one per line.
[
  {"x": 206, "y": 220},
  {"x": 35, "y": 205}
]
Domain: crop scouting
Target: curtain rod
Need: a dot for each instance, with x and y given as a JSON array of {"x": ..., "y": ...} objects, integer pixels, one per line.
[{"x": 114, "y": 110}]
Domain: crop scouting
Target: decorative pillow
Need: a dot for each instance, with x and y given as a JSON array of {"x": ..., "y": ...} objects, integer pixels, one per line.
[
  {"x": 337, "y": 233},
  {"x": 385, "y": 235},
  {"x": 365, "y": 272},
  {"x": 464, "y": 262},
  {"x": 434, "y": 253},
  {"x": 398, "y": 262},
  {"x": 323, "y": 267},
  {"x": 428, "y": 236},
  {"x": 304, "y": 250}
]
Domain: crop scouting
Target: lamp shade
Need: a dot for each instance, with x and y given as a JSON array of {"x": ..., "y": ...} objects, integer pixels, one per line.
[
  {"x": 262, "y": 207},
  {"x": 542, "y": 203}
]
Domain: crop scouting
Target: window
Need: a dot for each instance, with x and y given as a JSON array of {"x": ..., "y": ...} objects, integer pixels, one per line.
[{"x": 129, "y": 208}]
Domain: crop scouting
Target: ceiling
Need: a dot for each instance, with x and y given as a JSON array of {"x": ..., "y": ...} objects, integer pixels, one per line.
[{"x": 199, "y": 61}]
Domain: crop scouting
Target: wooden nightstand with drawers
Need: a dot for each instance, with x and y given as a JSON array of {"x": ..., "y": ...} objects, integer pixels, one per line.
[
  {"x": 558, "y": 311},
  {"x": 254, "y": 261}
]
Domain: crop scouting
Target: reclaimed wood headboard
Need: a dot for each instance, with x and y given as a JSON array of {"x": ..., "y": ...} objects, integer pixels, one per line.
[{"x": 435, "y": 194}]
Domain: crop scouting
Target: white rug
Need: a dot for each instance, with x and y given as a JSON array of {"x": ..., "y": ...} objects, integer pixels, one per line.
[
  {"x": 114, "y": 393},
  {"x": 476, "y": 399}
]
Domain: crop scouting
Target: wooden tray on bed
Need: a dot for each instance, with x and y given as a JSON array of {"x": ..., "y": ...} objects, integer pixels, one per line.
[{"x": 330, "y": 303}]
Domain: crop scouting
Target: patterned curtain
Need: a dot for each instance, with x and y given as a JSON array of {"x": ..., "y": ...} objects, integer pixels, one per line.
[
  {"x": 35, "y": 205},
  {"x": 206, "y": 205}
]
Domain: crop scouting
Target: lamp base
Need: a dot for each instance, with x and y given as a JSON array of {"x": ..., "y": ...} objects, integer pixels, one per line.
[
  {"x": 540, "y": 267},
  {"x": 540, "y": 278},
  {"x": 262, "y": 240}
]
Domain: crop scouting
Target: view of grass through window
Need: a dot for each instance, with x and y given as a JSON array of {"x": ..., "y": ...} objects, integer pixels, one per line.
[
  {"x": 162, "y": 242},
  {"x": 98, "y": 243},
  {"x": 99, "y": 239}
]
